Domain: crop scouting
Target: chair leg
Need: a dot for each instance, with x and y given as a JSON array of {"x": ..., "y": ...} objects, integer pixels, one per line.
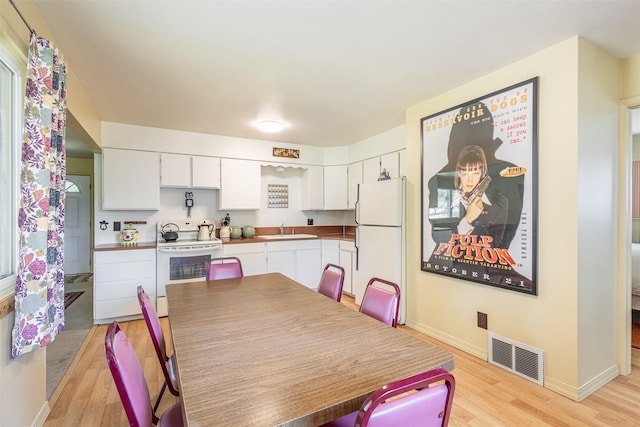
[{"x": 155, "y": 407}]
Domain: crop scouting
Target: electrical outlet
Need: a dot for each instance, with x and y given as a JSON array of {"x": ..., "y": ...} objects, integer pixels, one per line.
[
  {"x": 116, "y": 225},
  {"x": 482, "y": 320}
]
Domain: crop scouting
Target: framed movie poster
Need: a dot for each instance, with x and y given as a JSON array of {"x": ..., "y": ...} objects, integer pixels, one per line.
[{"x": 479, "y": 191}]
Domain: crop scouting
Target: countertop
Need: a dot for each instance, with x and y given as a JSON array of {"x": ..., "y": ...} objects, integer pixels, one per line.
[
  {"x": 118, "y": 246},
  {"x": 324, "y": 233},
  {"x": 259, "y": 239}
]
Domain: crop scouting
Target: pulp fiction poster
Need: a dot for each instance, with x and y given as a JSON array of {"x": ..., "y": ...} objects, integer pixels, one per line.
[{"x": 479, "y": 190}]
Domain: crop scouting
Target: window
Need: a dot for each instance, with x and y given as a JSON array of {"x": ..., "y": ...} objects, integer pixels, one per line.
[
  {"x": 10, "y": 119},
  {"x": 70, "y": 187}
]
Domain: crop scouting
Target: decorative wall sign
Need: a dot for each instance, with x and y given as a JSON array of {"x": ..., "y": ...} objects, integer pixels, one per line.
[
  {"x": 479, "y": 190},
  {"x": 286, "y": 152},
  {"x": 277, "y": 196}
]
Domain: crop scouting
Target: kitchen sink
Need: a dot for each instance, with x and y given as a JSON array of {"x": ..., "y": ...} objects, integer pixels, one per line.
[{"x": 287, "y": 236}]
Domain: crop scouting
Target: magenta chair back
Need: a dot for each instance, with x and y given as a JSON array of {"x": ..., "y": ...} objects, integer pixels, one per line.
[
  {"x": 332, "y": 281},
  {"x": 225, "y": 268},
  {"x": 427, "y": 401},
  {"x": 381, "y": 303},
  {"x": 131, "y": 384},
  {"x": 157, "y": 337}
]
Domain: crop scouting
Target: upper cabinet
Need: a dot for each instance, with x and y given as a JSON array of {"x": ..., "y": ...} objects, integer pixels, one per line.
[
  {"x": 354, "y": 179},
  {"x": 130, "y": 180},
  {"x": 205, "y": 172},
  {"x": 335, "y": 187},
  {"x": 372, "y": 168},
  {"x": 312, "y": 191},
  {"x": 239, "y": 185},
  {"x": 178, "y": 170}
]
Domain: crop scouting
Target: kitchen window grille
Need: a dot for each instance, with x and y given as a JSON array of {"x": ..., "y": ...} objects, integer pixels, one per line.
[{"x": 278, "y": 196}]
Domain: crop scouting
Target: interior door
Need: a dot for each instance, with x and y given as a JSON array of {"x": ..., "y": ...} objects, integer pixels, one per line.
[{"x": 77, "y": 225}]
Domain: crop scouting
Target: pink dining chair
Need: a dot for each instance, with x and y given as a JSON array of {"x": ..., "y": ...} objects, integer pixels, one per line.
[
  {"x": 225, "y": 268},
  {"x": 168, "y": 364},
  {"x": 331, "y": 282},
  {"x": 426, "y": 401},
  {"x": 381, "y": 301},
  {"x": 131, "y": 383}
]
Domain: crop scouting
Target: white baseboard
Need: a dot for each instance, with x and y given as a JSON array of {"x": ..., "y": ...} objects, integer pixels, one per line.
[{"x": 42, "y": 415}]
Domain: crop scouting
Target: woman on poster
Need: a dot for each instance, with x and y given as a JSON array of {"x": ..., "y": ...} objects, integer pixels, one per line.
[{"x": 483, "y": 210}]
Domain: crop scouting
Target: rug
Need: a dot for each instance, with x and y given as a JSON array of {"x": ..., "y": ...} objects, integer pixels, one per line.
[
  {"x": 635, "y": 335},
  {"x": 77, "y": 278},
  {"x": 70, "y": 297}
]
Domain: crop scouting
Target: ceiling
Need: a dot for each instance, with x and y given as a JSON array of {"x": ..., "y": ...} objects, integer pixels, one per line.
[{"x": 334, "y": 72}]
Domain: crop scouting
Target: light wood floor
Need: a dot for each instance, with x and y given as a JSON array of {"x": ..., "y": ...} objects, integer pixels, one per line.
[{"x": 485, "y": 395}]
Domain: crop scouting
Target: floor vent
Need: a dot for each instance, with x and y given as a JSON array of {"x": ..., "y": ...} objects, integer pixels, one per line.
[{"x": 516, "y": 357}]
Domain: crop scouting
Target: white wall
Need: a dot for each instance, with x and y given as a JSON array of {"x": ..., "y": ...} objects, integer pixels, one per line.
[
  {"x": 597, "y": 207},
  {"x": 569, "y": 109},
  {"x": 23, "y": 385},
  {"x": 386, "y": 142}
]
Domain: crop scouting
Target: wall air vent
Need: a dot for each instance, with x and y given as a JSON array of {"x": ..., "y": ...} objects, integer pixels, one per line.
[{"x": 516, "y": 357}]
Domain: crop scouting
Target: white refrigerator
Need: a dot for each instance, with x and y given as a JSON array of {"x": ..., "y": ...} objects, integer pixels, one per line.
[{"x": 381, "y": 237}]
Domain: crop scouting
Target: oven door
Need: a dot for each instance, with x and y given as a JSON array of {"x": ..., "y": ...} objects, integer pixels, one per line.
[{"x": 179, "y": 265}]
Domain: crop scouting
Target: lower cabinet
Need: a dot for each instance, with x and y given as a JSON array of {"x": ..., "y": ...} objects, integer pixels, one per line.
[
  {"x": 348, "y": 262},
  {"x": 252, "y": 256},
  {"x": 117, "y": 275},
  {"x": 330, "y": 252},
  {"x": 298, "y": 260}
]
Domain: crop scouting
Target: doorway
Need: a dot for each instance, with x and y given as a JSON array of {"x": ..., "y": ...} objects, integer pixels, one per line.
[
  {"x": 78, "y": 312},
  {"x": 635, "y": 228},
  {"x": 77, "y": 226}
]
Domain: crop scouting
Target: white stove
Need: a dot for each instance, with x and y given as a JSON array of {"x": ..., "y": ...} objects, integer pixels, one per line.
[
  {"x": 185, "y": 259},
  {"x": 187, "y": 234}
]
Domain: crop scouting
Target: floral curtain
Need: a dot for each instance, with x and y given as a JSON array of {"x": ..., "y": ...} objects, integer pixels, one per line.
[{"x": 39, "y": 296}]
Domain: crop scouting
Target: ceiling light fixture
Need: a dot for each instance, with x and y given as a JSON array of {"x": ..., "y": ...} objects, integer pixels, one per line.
[{"x": 270, "y": 126}]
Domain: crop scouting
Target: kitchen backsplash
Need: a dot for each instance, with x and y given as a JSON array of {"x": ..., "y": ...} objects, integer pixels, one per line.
[{"x": 172, "y": 206}]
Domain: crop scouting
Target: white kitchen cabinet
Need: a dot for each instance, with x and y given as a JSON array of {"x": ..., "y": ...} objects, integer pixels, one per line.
[
  {"x": 330, "y": 252},
  {"x": 335, "y": 187},
  {"x": 252, "y": 255},
  {"x": 282, "y": 261},
  {"x": 373, "y": 167},
  {"x": 205, "y": 172},
  {"x": 354, "y": 172},
  {"x": 308, "y": 265},
  {"x": 175, "y": 170},
  {"x": 403, "y": 164},
  {"x": 348, "y": 262},
  {"x": 117, "y": 275},
  {"x": 299, "y": 260},
  {"x": 239, "y": 185},
  {"x": 182, "y": 171},
  {"x": 130, "y": 180},
  {"x": 312, "y": 189},
  {"x": 391, "y": 162}
]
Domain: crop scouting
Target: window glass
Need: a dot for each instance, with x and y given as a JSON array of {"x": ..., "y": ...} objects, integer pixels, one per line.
[
  {"x": 70, "y": 187},
  {"x": 9, "y": 148}
]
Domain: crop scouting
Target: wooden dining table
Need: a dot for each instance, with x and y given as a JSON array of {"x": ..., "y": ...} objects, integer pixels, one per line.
[{"x": 265, "y": 350}]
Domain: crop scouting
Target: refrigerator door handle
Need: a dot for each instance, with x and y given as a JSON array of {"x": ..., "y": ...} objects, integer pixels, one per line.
[
  {"x": 357, "y": 207},
  {"x": 357, "y": 248}
]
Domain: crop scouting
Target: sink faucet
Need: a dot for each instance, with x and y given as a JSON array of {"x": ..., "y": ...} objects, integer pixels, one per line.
[{"x": 282, "y": 229}]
